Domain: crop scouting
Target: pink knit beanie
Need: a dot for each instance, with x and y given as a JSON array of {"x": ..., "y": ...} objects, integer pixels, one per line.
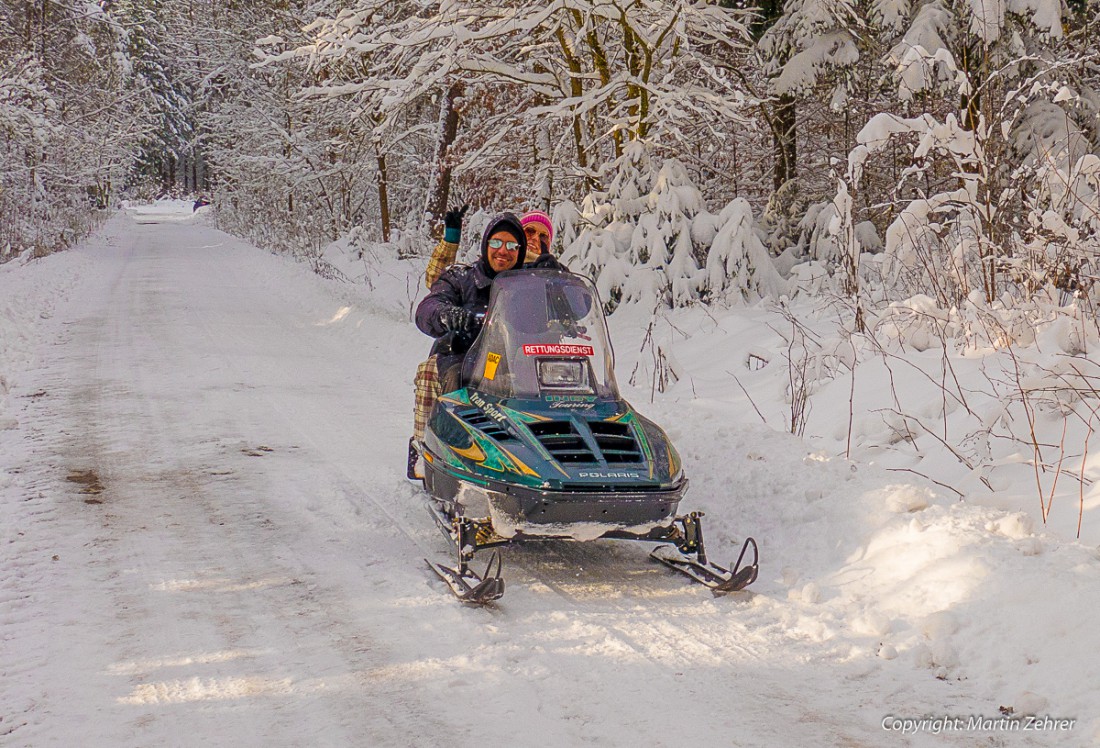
[{"x": 537, "y": 216}]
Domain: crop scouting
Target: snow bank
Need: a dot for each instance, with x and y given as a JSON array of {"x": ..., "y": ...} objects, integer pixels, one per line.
[
  {"x": 30, "y": 290},
  {"x": 906, "y": 528}
]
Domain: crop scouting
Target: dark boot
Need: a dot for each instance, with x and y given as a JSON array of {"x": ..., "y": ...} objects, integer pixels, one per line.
[{"x": 414, "y": 456}]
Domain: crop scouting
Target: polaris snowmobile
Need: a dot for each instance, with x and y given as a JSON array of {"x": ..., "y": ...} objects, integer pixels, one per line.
[{"x": 538, "y": 444}]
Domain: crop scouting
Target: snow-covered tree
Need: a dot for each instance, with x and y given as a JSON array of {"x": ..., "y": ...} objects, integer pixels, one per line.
[
  {"x": 584, "y": 77},
  {"x": 663, "y": 247},
  {"x": 166, "y": 147},
  {"x": 979, "y": 169},
  {"x": 66, "y": 120}
]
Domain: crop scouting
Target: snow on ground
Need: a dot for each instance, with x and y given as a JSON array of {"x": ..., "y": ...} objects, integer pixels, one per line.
[{"x": 208, "y": 540}]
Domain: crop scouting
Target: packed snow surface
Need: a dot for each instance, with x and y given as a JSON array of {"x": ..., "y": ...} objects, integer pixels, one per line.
[{"x": 207, "y": 538}]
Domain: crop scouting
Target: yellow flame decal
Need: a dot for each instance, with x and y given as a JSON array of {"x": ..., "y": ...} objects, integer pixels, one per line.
[
  {"x": 517, "y": 462},
  {"x": 533, "y": 416},
  {"x": 473, "y": 452}
]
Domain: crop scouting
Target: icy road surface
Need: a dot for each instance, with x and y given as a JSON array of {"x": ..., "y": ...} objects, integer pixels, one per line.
[{"x": 208, "y": 541}]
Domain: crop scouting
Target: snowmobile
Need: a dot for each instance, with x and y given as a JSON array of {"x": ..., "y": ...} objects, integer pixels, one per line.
[{"x": 537, "y": 443}]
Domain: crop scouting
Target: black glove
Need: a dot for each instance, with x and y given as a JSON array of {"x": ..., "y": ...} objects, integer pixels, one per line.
[
  {"x": 452, "y": 224},
  {"x": 547, "y": 261},
  {"x": 452, "y": 219},
  {"x": 457, "y": 319}
]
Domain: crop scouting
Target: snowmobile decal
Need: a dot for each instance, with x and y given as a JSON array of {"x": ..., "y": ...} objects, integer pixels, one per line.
[
  {"x": 558, "y": 349},
  {"x": 487, "y": 408},
  {"x": 492, "y": 360},
  {"x": 521, "y": 466},
  {"x": 473, "y": 452},
  {"x": 523, "y": 416},
  {"x": 492, "y": 456},
  {"x": 643, "y": 439}
]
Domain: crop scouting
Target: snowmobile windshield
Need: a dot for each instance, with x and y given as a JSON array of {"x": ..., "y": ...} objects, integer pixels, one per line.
[{"x": 544, "y": 335}]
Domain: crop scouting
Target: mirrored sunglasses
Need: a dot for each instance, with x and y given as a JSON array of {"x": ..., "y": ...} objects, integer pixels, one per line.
[{"x": 498, "y": 243}]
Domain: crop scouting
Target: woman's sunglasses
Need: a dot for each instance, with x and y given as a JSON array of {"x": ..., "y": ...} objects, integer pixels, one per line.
[{"x": 498, "y": 243}]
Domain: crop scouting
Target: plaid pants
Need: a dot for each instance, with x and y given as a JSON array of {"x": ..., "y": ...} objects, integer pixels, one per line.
[{"x": 427, "y": 392}]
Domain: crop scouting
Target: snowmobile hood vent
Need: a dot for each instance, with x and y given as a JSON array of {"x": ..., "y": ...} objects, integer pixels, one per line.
[
  {"x": 616, "y": 442},
  {"x": 562, "y": 441},
  {"x": 485, "y": 425}
]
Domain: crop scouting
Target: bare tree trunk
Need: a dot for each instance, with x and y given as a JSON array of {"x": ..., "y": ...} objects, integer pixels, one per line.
[
  {"x": 440, "y": 188},
  {"x": 785, "y": 142},
  {"x": 382, "y": 179},
  {"x": 287, "y": 152},
  {"x": 576, "y": 89},
  {"x": 599, "y": 62}
]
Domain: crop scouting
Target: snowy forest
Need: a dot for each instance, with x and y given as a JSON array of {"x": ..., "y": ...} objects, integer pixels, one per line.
[
  {"x": 687, "y": 150},
  {"x": 848, "y": 252}
]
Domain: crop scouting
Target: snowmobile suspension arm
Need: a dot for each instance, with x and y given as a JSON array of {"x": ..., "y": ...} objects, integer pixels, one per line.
[{"x": 692, "y": 542}]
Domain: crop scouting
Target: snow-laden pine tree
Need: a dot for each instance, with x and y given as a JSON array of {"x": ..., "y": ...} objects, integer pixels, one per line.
[
  {"x": 662, "y": 247},
  {"x": 166, "y": 144},
  {"x": 984, "y": 176},
  {"x": 649, "y": 239}
]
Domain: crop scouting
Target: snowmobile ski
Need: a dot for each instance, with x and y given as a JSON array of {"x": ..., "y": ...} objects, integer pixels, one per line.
[
  {"x": 467, "y": 585},
  {"x": 719, "y": 579},
  {"x": 470, "y": 587}
]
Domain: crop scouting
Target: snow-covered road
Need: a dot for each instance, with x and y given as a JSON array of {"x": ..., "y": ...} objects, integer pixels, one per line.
[{"x": 208, "y": 541}]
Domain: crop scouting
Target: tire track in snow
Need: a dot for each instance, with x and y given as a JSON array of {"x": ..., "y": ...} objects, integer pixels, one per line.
[
  {"x": 679, "y": 636},
  {"x": 242, "y": 610},
  {"x": 44, "y": 539},
  {"x": 416, "y": 717}
]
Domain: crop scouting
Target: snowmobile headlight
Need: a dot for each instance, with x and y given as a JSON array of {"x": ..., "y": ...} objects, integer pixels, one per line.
[{"x": 564, "y": 374}]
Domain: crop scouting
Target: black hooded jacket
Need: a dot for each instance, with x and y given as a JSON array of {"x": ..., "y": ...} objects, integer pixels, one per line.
[{"x": 468, "y": 286}]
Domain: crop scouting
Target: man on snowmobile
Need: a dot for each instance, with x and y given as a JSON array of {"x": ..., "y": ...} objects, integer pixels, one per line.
[{"x": 452, "y": 312}]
